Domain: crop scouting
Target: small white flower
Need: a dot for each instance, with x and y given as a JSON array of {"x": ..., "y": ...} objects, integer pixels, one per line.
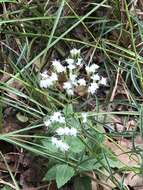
[
  {"x": 47, "y": 122},
  {"x": 73, "y": 77},
  {"x": 74, "y": 52},
  {"x": 44, "y": 75},
  {"x": 60, "y": 131},
  {"x": 67, "y": 85},
  {"x": 103, "y": 81},
  {"x": 70, "y": 92},
  {"x": 71, "y": 66},
  {"x": 54, "y": 77},
  {"x": 66, "y": 131},
  {"x": 81, "y": 82},
  {"x": 55, "y": 141},
  {"x": 58, "y": 66},
  {"x": 93, "y": 87},
  {"x": 95, "y": 77},
  {"x": 63, "y": 146},
  {"x": 79, "y": 62},
  {"x": 45, "y": 83},
  {"x": 92, "y": 68},
  {"x": 63, "y": 131},
  {"x": 73, "y": 132},
  {"x": 84, "y": 117},
  {"x": 57, "y": 117},
  {"x": 70, "y": 61},
  {"x": 59, "y": 144}
]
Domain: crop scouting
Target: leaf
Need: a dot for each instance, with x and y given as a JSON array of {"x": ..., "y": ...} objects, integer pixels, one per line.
[
  {"x": 49, "y": 146},
  {"x": 51, "y": 174},
  {"x": 89, "y": 165},
  {"x": 21, "y": 117},
  {"x": 64, "y": 174},
  {"x": 6, "y": 188},
  {"x": 76, "y": 144},
  {"x": 82, "y": 183},
  {"x": 68, "y": 109}
]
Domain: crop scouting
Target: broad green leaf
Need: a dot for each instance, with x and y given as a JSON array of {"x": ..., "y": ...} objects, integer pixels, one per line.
[
  {"x": 68, "y": 109},
  {"x": 113, "y": 162},
  {"x": 49, "y": 146},
  {"x": 64, "y": 174},
  {"x": 51, "y": 174},
  {"x": 82, "y": 183},
  {"x": 76, "y": 144},
  {"x": 89, "y": 165}
]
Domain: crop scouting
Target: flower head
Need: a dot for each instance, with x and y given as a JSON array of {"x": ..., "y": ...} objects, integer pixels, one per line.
[
  {"x": 71, "y": 66},
  {"x": 91, "y": 69},
  {"x": 73, "y": 77},
  {"x": 58, "y": 66},
  {"x": 103, "y": 81},
  {"x": 81, "y": 82},
  {"x": 74, "y": 52},
  {"x": 92, "y": 88},
  {"x": 44, "y": 75},
  {"x": 47, "y": 122},
  {"x": 57, "y": 117},
  {"x": 59, "y": 144},
  {"x": 47, "y": 80},
  {"x": 73, "y": 132},
  {"x": 95, "y": 77},
  {"x": 66, "y": 131},
  {"x": 45, "y": 83},
  {"x": 54, "y": 77},
  {"x": 70, "y": 61},
  {"x": 70, "y": 92},
  {"x": 67, "y": 85},
  {"x": 79, "y": 62}
]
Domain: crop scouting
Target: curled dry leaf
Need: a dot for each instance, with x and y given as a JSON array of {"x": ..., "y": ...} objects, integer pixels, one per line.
[
  {"x": 134, "y": 181},
  {"x": 120, "y": 149}
]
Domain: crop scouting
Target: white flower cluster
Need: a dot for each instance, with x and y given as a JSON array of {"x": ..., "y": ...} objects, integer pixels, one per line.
[
  {"x": 60, "y": 144},
  {"x": 48, "y": 80},
  {"x": 67, "y": 131},
  {"x": 71, "y": 70},
  {"x": 55, "y": 118},
  {"x": 61, "y": 131}
]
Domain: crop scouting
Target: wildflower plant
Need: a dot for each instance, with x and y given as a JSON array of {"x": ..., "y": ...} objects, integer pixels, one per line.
[{"x": 75, "y": 135}]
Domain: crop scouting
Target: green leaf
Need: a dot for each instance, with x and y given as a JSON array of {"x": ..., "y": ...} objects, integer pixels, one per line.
[
  {"x": 89, "y": 165},
  {"x": 51, "y": 174},
  {"x": 76, "y": 144},
  {"x": 49, "y": 146},
  {"x": 64, "y": 174},
  {"x": 6, "y": 188},
  {"x": 68, "y": 109},
  {"x": 82, "y": 183}
]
